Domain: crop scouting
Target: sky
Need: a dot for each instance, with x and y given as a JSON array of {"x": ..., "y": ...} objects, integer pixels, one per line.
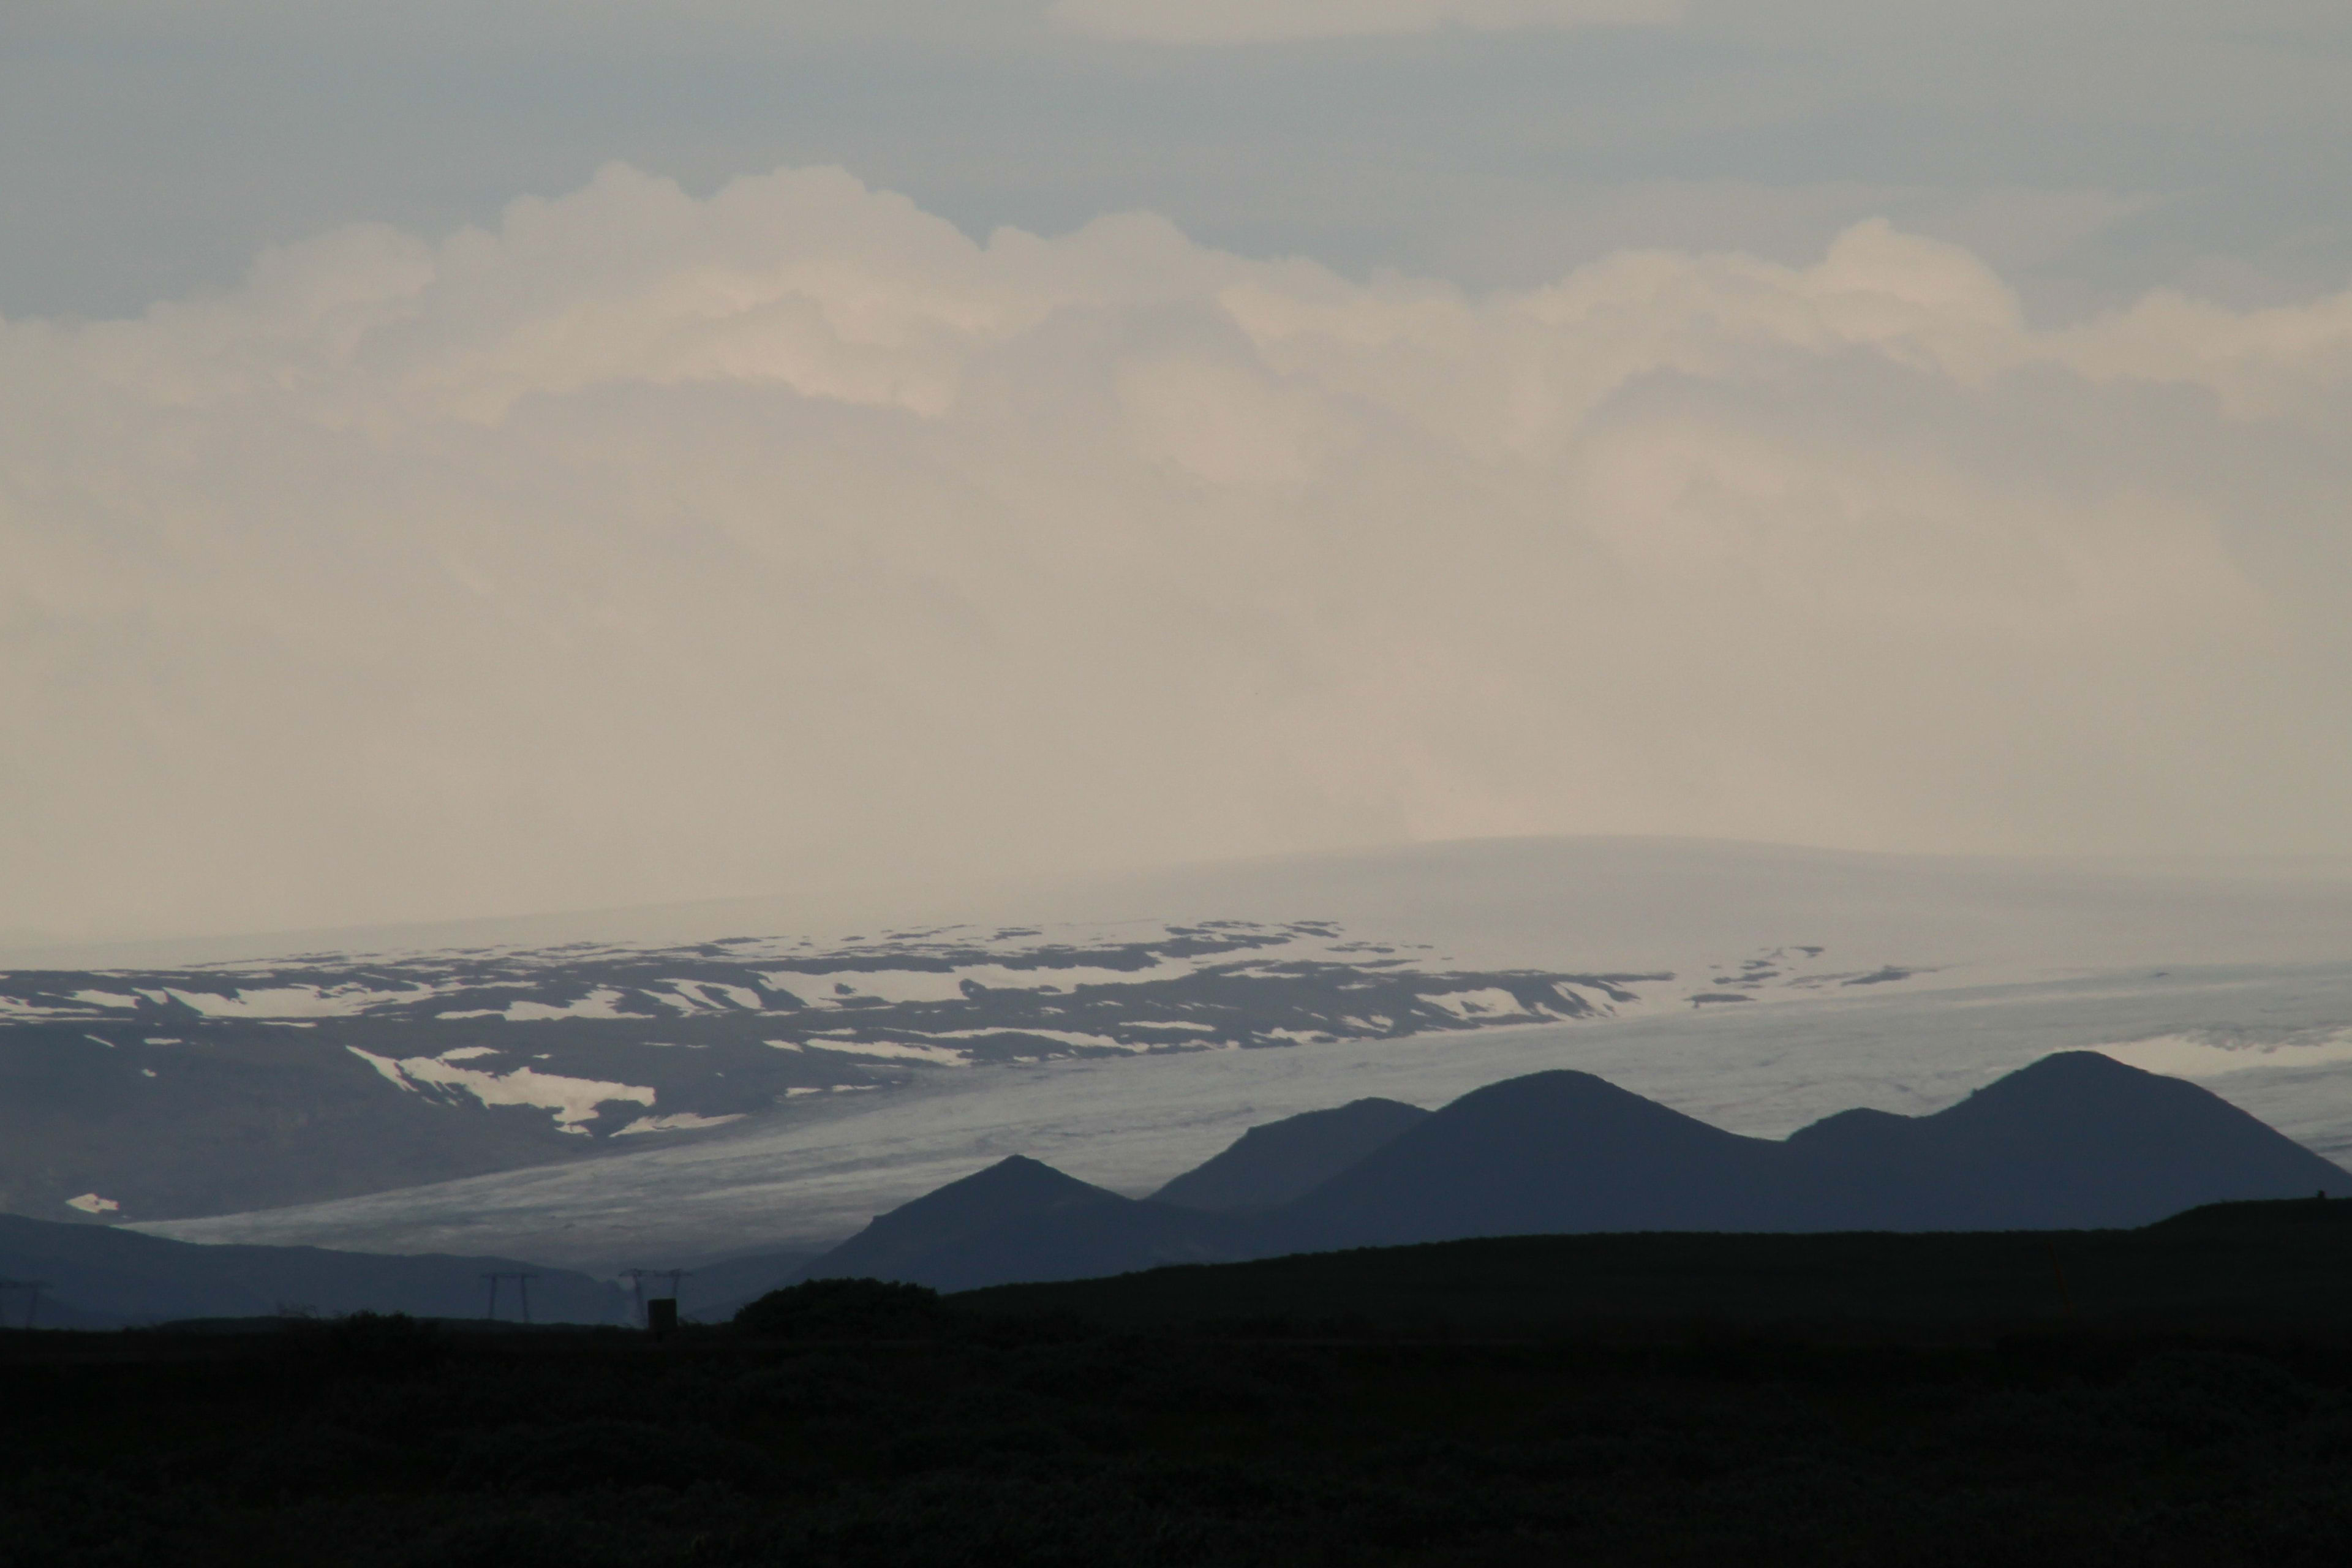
[{"x": 547, "y": 454}]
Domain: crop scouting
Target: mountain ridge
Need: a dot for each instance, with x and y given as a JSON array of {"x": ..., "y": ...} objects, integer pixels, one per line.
[
  {"x": 1278, "y": 1160},
  {"x": 1566, "y": 1151},
  {"x": 96, "y": 1276}
]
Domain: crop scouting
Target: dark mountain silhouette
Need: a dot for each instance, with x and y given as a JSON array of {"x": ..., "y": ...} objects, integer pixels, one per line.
[
  {"x": 1286, "y": 1159},
  {"x": 2075, "y": 1141},
  {"x": 98, "y": 1275},
  {"x": 1551, "y": 1151},
  {"x": 1022, "y": 1219},
  {"x": 1017, "y": 1189}
]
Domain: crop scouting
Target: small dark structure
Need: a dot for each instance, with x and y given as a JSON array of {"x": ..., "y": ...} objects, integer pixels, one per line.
[
  {"x": 637, "y": 1278},
  {"x": 661, "y": 1317}
]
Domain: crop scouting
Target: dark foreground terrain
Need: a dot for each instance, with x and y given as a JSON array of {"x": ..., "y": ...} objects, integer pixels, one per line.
[{"x": 1377, "y": 1413}]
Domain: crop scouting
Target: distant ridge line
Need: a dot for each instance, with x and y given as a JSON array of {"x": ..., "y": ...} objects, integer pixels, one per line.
[{"x": 2075, "y": 1141}]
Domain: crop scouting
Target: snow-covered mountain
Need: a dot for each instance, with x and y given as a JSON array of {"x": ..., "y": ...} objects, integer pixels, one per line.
[{"x": 696, "y": 1081}]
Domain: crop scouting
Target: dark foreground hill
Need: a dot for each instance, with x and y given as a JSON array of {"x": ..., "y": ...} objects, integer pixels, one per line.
[
  {"x": 1464, "y": 1415},
  {"x": 2235, "y": 1267},
  {"x": 2075, "y": 1141},
  {"x": 94, "y": 1276},
  {"x": 1012, "y": 1190}
]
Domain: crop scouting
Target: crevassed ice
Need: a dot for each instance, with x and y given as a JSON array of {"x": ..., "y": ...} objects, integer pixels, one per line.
[{"x": 2210, "y": 1054}]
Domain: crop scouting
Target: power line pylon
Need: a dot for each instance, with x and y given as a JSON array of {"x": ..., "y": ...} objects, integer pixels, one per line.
[
  {"x": 637, "y": 1278},
  {"x": 522, "y": 1278},
  {"x": 32, "y": 1289}
]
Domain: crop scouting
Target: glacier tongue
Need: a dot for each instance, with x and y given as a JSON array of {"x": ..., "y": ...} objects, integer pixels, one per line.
[
  {"x": 1132, "y": 1124},
  {"x": 658, "y": 1073}
]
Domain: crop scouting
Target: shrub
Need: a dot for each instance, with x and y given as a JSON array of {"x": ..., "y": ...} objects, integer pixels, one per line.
[{"x": 846, "y": 1309}]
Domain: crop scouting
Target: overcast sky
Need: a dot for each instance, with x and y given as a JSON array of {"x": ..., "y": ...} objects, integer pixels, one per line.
[{"x": 532, "y": 453}]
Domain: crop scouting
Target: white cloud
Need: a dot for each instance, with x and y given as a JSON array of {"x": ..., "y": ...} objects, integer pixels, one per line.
[
  {"x": 1265, "y": 21},
  {"x": 653, "y": 547}
]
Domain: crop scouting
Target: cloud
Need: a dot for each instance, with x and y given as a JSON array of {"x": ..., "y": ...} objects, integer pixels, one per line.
[
  {"x": 1267, "y": 21},
  {"x": 650, "y": 547}
]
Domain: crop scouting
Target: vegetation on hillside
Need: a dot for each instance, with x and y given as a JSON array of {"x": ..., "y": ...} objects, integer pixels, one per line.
[{"x": 848, "y": 1425}]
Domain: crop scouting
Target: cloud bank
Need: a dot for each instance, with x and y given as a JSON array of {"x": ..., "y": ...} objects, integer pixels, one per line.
[
  {"x": 1267, "y": 21},
  {"x": 651, "y": 547}
]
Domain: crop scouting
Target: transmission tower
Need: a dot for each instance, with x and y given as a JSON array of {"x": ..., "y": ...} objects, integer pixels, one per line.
[
  {"x": 522, "y": 1278},
  {"x": 637, "y": 1278},
  {"x": 32, "y": 1289}
]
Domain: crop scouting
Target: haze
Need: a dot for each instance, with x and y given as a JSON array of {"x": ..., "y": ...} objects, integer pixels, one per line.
[{"x": 469, "y": 460}]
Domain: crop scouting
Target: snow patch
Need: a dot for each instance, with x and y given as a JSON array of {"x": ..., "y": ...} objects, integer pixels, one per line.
[
  {"x": 944, "y": 1056},
  {"x": 384, "y": 1064},
  {"x": 849, "y": 987},
  {"x": 892, "y": 985},
  {"x": 695, "y": 995},
  {"x": 573, "y": 1099},
  {"x": 597, "y": 1003},
  {"x": 90, "y": 1202},
  {"x": 682, "y": 1121},
  {"x": 292, "y": 1001},
  {"x": 1067, "y": 1037},
  {"x": 1491, "y": 1002}
]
